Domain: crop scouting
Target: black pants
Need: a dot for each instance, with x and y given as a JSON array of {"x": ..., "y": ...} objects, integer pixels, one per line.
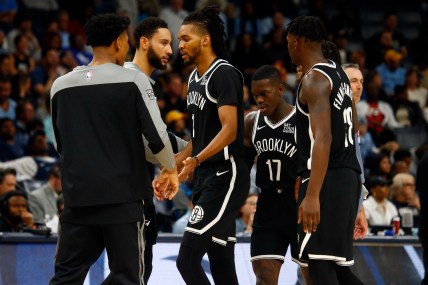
[{"x": 79, "y": 246}]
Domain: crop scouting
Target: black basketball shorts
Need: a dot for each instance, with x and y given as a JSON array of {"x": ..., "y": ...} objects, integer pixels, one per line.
[
  {"x": 220, "y": 190},
  {"x": 333, "y": 238},
  {"x": 275, "y": 225}
]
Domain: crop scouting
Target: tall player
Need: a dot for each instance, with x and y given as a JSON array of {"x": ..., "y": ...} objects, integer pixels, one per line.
[
  {"x": 153, "y": 50},
  {"x": 330, "y": 185},
  {"x": 269, "y": 134},
  {"x": 215, "y": 153}
]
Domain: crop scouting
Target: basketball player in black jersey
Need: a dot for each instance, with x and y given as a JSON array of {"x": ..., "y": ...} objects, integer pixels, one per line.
[
  {"x": 269, "y": 134},
  {"x": 329, "y": 170},
  {"x": 215, "y": 152}
]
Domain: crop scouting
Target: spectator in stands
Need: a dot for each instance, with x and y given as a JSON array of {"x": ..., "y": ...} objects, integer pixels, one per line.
[
  {"x": 367, "y": 145},
  {"x": 415, "y": 91},
  {"x": 248, "y": 56},
  {"x": 376, "y": 47},
  {"x": 7, "y": 104},
  {"x": 7, "y": 181},
  {"x": 407, "y": 113},
  {"x": 176, "y": 123},
  {"x": 391, "y": 71},
  {"x": 78, "y": 48},
  {"x": 379, "y": 210},
  {"x": 174, "y": 15},
  {"x": 14, "y": 212},
  {"x": 22, "y": 89},
  {"x": 46, "y": 72},
  {"x": 379, "y": 115},
  {"x": 38, "y": 148},
  {"x": 25, "y": 113},
  {"x": 8, "y": 9},
  {"x": 23, "y": 61},
  {"x": 12, "y": 146},
  {"x": 24, "y": 26},
  {"x": 43, "y": 201},
  {"x": 7, "y": 66},
  {"x": 380, "y": 165},
  {"x": 63, "y": 20},
  {"x": 404, "y": 196},
  {"x": 244, "y": 223},
  {"x": 67, "y": 62},
  {"x": 174, "y": 94}
]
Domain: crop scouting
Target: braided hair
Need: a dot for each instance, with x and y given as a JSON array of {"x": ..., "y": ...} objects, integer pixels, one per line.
[
  {"x": 309, "y": 27},
  {"x": 208, "y": 21}
]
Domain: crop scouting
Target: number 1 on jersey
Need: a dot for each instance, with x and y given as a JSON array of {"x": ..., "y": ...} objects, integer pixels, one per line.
[
  {"x": 269, "y": 162},
  {"x": 193, "y": 125}
]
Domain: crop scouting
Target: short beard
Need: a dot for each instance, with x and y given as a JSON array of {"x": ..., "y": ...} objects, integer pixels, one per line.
[
  {"x": 154, "y": 59},
  {"x": 191, "y": 59}
]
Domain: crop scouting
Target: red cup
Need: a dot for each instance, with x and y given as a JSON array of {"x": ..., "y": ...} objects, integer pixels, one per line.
[{"x": 396, "y": 225}]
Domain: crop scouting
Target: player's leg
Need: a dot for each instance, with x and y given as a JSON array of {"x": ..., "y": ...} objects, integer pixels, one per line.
[
  {"x": 79, "y": 246},
  {"x": 323, "y": 272},
  {"x": 267, "y": 271},
  {"x": 125, "y": 250},
  {"x": 305, "y": 273},
  {"x": 346, "y": 276},
  {"x": 189, "y": 264},
  {"x": 222, "y": 263}
]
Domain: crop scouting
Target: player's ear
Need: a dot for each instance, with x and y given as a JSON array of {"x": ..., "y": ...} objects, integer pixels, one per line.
[
  {"x": 144, "y": 43},
  {"x": 206, "y": 40}
]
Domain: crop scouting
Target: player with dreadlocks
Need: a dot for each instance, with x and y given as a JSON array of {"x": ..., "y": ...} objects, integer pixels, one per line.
[{"x": 215, "y": 152}]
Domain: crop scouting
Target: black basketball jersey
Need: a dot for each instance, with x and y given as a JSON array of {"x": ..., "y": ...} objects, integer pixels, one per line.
[
  {"x": 342, "y": 150},
  {"x": 222, "y": 84},
  {"x": 276, "y": 148}
]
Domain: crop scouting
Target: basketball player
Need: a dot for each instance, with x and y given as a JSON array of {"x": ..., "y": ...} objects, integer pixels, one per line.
[
  {"x": 99, "y": 113},
  {"x": 269, "y": 134},
  {"x": 215, "y": 153},
  {"x": 153, "y": 50},
  {"x": 330, "y": 183}
]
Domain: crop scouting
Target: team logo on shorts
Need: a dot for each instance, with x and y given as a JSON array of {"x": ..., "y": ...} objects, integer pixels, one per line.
[
  {"x": 197, "y": 215},
  {"x": 151, "y": 94},
  {"x": 88, "y": 75}
]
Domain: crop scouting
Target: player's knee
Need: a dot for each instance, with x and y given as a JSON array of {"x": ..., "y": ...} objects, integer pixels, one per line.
[{"x": 265, "y": 272}]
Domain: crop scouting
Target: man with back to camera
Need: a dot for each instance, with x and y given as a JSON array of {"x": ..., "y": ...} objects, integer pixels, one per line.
[
  {"x": 153, "y": 50},
  {"x": 103, "y": 169},
  {"x": 215, "y": 154},
  {"x": 269, "y": 134},
  {"x": 328, "y": 163}
]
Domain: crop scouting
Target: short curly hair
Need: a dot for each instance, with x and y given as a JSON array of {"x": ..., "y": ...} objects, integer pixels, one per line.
[
  {"x": 147, "y": 28},
  {"x": 103, "y": 29}
]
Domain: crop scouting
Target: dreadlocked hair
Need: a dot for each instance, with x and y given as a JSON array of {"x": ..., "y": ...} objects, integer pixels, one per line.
[
  {"x": 207, "y": 19},
  {"x": 330, "y": 51},
  {"x": 309, "y": 27}
]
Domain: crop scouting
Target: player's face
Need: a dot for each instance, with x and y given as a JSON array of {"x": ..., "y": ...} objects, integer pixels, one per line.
[
  {"x": 190, "y": 43},
  {"x": 160, "y": 50},
  {"x": 123, "y": 48},
  {"x": 357, "y": 80},
  {"x": 267, "y": 95}
]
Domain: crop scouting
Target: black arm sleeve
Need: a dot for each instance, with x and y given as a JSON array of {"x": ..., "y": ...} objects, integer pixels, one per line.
[
  {"x": 173, "y": 142},
  {"x": 250, "y": 153}
]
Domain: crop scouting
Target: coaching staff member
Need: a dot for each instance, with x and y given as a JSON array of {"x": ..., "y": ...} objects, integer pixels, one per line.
[{"x": 100, "y": 113}]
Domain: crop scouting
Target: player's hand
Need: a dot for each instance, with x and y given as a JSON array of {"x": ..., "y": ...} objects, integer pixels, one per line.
[
  {"x": 309, "y": 213},
  {"x": 189, "y": 165},
  {"x": 166, "y": 184},
  {"x": 361, "y": 225}
]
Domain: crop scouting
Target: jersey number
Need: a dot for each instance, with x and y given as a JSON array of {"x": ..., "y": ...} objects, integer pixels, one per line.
[
  {"x": 278, "y": 169},
  {"x": 193, "y": 125},
  {"x": 347, "y": 119}
]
